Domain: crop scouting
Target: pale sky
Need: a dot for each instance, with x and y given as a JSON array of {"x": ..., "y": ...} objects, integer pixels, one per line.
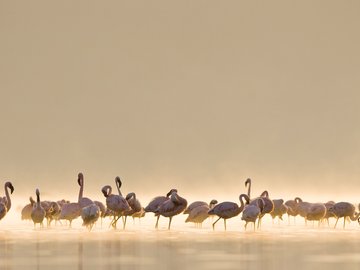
[{"x": 194, "y": 95}]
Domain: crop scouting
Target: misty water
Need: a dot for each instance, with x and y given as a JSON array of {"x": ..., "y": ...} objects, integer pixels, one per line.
[{"x": 140, "y": 246}]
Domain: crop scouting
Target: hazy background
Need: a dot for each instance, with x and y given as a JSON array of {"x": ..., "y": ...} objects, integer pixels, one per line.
[{"x": 197, "y": 95}]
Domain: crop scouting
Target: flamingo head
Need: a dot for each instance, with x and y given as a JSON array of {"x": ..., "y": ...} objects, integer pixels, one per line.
[
  {"x": 106, "y": 190},
  {"x": 31, "y": 200},
  {"x": 247, "y": 182},
  {"x": 80, "y": 179},
  {"x": 130, "y": 195},
  {"x": 213, "y": 202},
  {"x": 10, "y": 186},
  {"x": 118, "y": 181},
  {"x": 171, "y": 192}
]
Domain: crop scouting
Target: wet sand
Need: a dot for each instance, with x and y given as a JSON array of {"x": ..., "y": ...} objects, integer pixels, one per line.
[{"x": 184, "y": 247}]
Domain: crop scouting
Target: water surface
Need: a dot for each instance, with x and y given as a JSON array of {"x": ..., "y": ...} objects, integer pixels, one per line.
[{"x": 184, "y": 247}]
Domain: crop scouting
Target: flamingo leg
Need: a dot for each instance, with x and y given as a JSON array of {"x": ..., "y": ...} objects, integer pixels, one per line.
[
  {"x": 225, "y": 223},
  {"x": 157, "y": 222},
  {"x": 170, "y": 218},
  {"x": 259, "y": 221},
  {"x": 213, "y": 225},
  {"x": 115, "y": 222},
  {"x": 125, "y": 222},
  {"x": 245, "y": 225},
  {"x": 337, "y": 219},
  {"x": 344, "y": 222},
  {"x": 112, "y": 221},
  {"x": 254, "y": 226}
]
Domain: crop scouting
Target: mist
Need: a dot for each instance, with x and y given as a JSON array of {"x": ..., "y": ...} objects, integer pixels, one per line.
[{"x": 196, "y": 96}]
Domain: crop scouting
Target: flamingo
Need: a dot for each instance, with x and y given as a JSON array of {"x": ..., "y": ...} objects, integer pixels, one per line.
[
  {"x": 115, "y": 203},
  {"x": 38, "y": 213},
  {"x": 53, "y": 212},
  {"x": 174, "y": 205},
  {"x": 47, "y": 207},
  {"x": 226, "y": 210},
  {"x": 316, "y": 211},
  {"x": 199, "y": 203},
  {"x": 90, "y": 214},
  {"x": 279, "y": 209},
  {"x": 154, "y": 205},
  {"x": 102, "y": 208},
  {"x": 70, "y": 211},
  {"x": 139, "y": 214},
  {"x": 252, "y": 212},
  {"x": 83, "y": 201},
  {"x": 345, "y": 210},
  {"x": 26, "y": 211},
  {"x": 302, "y": 208},
  {"x": 198, "y": 214},
  {"x": 268, "y": 203},
  {"x": 291, "y": 209},
  {"x": 328, "y": 213},
  {"x": 5, "y": 205},
  {"x": 134, "y": 204}
]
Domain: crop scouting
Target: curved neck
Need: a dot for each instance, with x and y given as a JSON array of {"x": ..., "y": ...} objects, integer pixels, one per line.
[
  {"x": 81, "y": 181},
  {"x": 355, "y": 216},
  {"x": 265, "y": 194},
  {"x": 174, "y": 197},
  {"x": 298, "y": 200},
  {"x": 106, "y": 190},
  {"x": 8, "y": 200},
  {"x": 118, "y": 185},
  {"x": 242, "y": 204},
  {"x": 249, "y": 188},
  {"x": 260, "y": 204}
]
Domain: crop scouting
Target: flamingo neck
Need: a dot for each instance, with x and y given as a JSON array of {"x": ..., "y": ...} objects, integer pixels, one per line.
[
  {"x": 81, "y": 191},
  {"x": 118, "y": 188},
  {"x": 355, "y": 216},
  {"x": 242, "y": 204},
  {"x": 38, "y": 204},
  {"x": 249, "y": 189},
  {"x": 8, "y": 200}
]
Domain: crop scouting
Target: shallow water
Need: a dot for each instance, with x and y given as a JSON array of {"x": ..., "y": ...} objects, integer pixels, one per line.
[{"x": 184, "y": 247}]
